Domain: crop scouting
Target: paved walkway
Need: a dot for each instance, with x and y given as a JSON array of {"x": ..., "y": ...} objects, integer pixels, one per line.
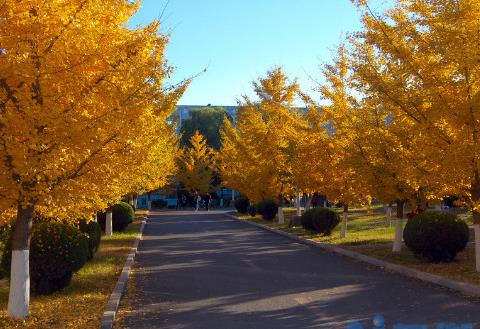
[{"x": 208, "y": 271}]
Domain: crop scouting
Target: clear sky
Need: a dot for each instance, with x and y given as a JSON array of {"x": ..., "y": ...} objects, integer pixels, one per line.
[{"x": 239, "y": 40}]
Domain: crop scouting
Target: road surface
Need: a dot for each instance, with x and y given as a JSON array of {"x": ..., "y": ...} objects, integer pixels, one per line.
[{"x": 209, "y": 271}]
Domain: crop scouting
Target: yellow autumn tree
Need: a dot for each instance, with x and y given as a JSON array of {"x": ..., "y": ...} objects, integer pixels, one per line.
[
  {"x": 197, "y": 165},
  {"x": 419, "y": 60},
  {"x": 258, "y": 151},
  {"x": 340, "y": 116},
  {"x": 80, "y": 96}
]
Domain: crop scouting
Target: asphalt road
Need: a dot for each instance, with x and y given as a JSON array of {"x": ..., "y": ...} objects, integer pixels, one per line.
[{"x": 209, "y": 271}]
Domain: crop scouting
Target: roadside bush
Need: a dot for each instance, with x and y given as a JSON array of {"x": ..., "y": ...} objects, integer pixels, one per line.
[
  {"x": 252, "y": 210},
  {"x": 160, "y": 204},
  {"x": 321, "y": 220},
  {"x": 268, "y": 209},
  {"x": 56, "y": 252},
  {"x": 94, "y": 235},
  {"x": 436, "y": 236},
  {"x": 306, "y": 219},
  {"x": 122, "y": 215},
  {"x": 242, "y": 204}
]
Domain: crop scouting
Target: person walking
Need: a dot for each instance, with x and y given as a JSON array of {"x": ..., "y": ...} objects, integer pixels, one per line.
[
  {"x": 198, "y": 200},
  {"x": 207, "y": 201}
]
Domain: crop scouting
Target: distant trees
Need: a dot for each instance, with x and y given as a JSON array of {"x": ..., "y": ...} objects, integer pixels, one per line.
[
  {"x": 208, "y": 121},
  {"x": 258, "y": 150},
  {"x": 197, "y": 165}
]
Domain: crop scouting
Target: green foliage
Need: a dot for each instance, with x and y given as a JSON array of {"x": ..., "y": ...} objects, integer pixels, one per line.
[
  {"x": 268, "y": 209},
  {"x": 242, "y": 204},
  {"x": 94, "y": 234},
  {"x": 437, "y": 236},
  {"x": 160, "y": 204},
  {"x": 57, "y": 251},
  {"x": 321, "y": 220},
  {"x": 122, "y": 215},
  {"x": 208, "y": 121}
]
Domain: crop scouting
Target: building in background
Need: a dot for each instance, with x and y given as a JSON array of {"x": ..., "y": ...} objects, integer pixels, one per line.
[{"x": 171, "y": 194}]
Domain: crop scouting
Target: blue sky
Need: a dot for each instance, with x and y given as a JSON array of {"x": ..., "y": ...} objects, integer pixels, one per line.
[{"x": 238, "y": 41}]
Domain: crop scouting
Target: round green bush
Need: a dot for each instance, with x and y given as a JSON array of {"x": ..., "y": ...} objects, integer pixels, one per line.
[
  {"x": 94, "y": 234},
  {"x": 321, "y": 220},
  {"x": 252, "y": 210},
  {"x": 436, "y": 236},
  {"x": 306, "y": 219},
  {"x": 242, "y": 204},
  {"x": 268, "y": 209},
  {"x": 122, "y": 215},
  {"x": 56, "y": 251}
]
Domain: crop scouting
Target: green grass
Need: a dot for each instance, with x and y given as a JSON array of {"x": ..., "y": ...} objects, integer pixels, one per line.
[
  {"x": 362, "y": 228},
  {"x": 81, "y": 304}
]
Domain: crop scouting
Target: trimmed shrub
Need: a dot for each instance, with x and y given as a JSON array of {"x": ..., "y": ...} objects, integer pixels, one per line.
[
  {"x": 94, "y": 234},
  {"x": 56, "y": 252},
  {"x": 437, "y": 236},
  {"x": 122, "y": 215},
  {"x": 268, "y": 209},
  {"x": 306, "y": 219},
  {"x": 252, "y": 210},
  {"x": 159, "y": 204},
  {"x": 321, "y": 220},
  {"x": 242, "y": 204}
]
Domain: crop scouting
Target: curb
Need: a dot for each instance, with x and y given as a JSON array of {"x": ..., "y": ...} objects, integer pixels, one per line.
[
  {"x": 465, "y": 288},
  {"x": 111, "y": 308}
]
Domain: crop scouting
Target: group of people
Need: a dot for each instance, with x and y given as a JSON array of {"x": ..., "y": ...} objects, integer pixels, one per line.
[
  {"x": 202, "y": 203},
  {"x": 205, "y": 202}
]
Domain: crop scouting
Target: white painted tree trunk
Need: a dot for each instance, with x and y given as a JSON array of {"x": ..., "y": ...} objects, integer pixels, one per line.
[
  {"x": 324, "y": 203},
  {"x": 397, "y": 243},
  {"x": 297, "y": 201},
  {"x": 308, "y": 204},
  {"x": 149, "y": 205},
  {"x": 388, "y": 216},
  {"x": 233, "y": 195},
  {"x": 281, "y": 217},
  {"x": 343, "y": 232},
  {"x": 109, "y": 224},
  {"x": 477, "y": 246},
  {"x": 95, "y": 218},
  {"x": 19, "y": 296}
]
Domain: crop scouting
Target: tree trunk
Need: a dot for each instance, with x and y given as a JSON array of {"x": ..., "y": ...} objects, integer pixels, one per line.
[
  {"x": 400, "y": 205},
  {"x": 343, "y": 232},
  {"x": 308, "y": 203},
  {"x": 135, "y": 198},
  {"x": 149, "y": 201},
  {"x": 109, "y": 223},
  {"x": 19, "y": 296},
  {"x": 388, "y": 215},
  {"x": 397, "y": 243},
  {"x": 233, "y": 195},
  {"x": 476, "y": 227},
  {"x": 297, "y": 201},
  {"x": 281, "y": 217}
]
